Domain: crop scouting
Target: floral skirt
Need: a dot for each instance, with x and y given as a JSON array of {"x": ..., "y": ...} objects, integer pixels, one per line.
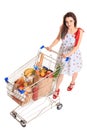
[{"x": 74, "y": 64}]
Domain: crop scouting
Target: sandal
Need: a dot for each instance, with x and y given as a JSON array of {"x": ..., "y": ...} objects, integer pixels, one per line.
[
  {"x": 70, "y": 86},
  {"x": 56, "y": 94}
]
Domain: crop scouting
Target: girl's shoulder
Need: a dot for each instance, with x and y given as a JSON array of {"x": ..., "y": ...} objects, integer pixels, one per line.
[
  {"x": 77, "y": 34},
  {"x": 78, "y": 31}
]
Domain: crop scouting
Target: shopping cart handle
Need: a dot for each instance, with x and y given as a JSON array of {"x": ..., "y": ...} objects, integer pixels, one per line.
[
  {"x": 46, "y": 48},
  {"x": 42, "y": 47},
  {"x": 67, "y": 59},
  {"x": 6, "y": 80}
]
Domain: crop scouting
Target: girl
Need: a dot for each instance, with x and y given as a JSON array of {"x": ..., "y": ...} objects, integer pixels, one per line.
[{"x": 71, "y": 37}]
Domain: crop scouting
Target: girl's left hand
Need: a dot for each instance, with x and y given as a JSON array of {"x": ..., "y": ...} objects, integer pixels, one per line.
[{"x": 64, "y": 55}]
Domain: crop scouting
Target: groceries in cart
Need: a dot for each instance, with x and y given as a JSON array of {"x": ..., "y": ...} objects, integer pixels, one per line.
[
  {"x": 32, "y": 85},
  {"x": 33, "y": 80}
]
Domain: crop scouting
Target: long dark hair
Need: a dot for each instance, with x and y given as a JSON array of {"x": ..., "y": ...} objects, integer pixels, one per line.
[{"x": 64, "y": 28}]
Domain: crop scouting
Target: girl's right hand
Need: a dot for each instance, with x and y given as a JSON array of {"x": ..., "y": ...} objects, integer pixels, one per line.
[{"x": 48, "y": 48}]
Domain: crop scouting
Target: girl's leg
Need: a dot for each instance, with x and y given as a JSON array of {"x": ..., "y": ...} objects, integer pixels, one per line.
[
  {"x": 74, "y": 76},
  {"x": 59, "y": 80}
]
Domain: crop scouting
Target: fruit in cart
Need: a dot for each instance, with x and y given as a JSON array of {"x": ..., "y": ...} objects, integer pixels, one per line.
[
  {"x": 42, "y": 73},
  {"x": 49, "y": 73},
  {"x": 19, "y": 82},
  {"x": 28, "y": 72},
  {"x": 21, "y": 87},
  {"x": 25, "y": 84}
]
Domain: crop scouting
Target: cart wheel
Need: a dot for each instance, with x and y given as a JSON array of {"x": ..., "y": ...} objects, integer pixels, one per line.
[
  {"x": 23, "y": 123},
  {"x": 59, "y": 106},
  {"x": 14, "y": 114}
]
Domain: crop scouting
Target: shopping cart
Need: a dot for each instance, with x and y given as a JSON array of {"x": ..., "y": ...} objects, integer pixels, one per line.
[{"x": 32, "y": 86}]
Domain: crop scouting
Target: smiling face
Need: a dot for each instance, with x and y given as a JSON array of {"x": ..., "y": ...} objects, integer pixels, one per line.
[
  {"x": 69, "y": 20},
  {"x": 70, "y": 23}
]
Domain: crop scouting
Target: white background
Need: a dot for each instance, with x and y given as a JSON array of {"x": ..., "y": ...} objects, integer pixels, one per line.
[{"x": 25, "y": 25}]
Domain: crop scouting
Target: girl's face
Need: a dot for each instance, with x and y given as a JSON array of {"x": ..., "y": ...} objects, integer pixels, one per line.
[{"x": 69, "y": 22}]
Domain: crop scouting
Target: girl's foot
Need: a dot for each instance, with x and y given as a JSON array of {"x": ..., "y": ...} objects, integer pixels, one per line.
[
  {"x": 70, "y": 87},
  {"x": 56, "y": 94}
]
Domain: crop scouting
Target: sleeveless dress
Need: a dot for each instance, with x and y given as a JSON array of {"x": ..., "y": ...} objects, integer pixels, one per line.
[{"x": 74, "y": 64}]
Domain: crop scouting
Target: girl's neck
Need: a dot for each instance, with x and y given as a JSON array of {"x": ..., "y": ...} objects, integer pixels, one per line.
[{"x": 72, "y": 30}]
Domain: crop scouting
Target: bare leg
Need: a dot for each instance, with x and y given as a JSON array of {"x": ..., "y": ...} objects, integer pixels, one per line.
[
  {"x": 74, "y": 76},
  {"x": 59, "y": 80}
]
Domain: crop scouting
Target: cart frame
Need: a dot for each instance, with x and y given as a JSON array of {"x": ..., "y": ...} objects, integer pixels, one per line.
[{"x": 21, "y": 110}]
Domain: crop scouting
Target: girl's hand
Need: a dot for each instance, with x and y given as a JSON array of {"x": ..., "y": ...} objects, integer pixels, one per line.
[
  {"x": 48, "y": 48},
  {"x": 65, "y": 55}
]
